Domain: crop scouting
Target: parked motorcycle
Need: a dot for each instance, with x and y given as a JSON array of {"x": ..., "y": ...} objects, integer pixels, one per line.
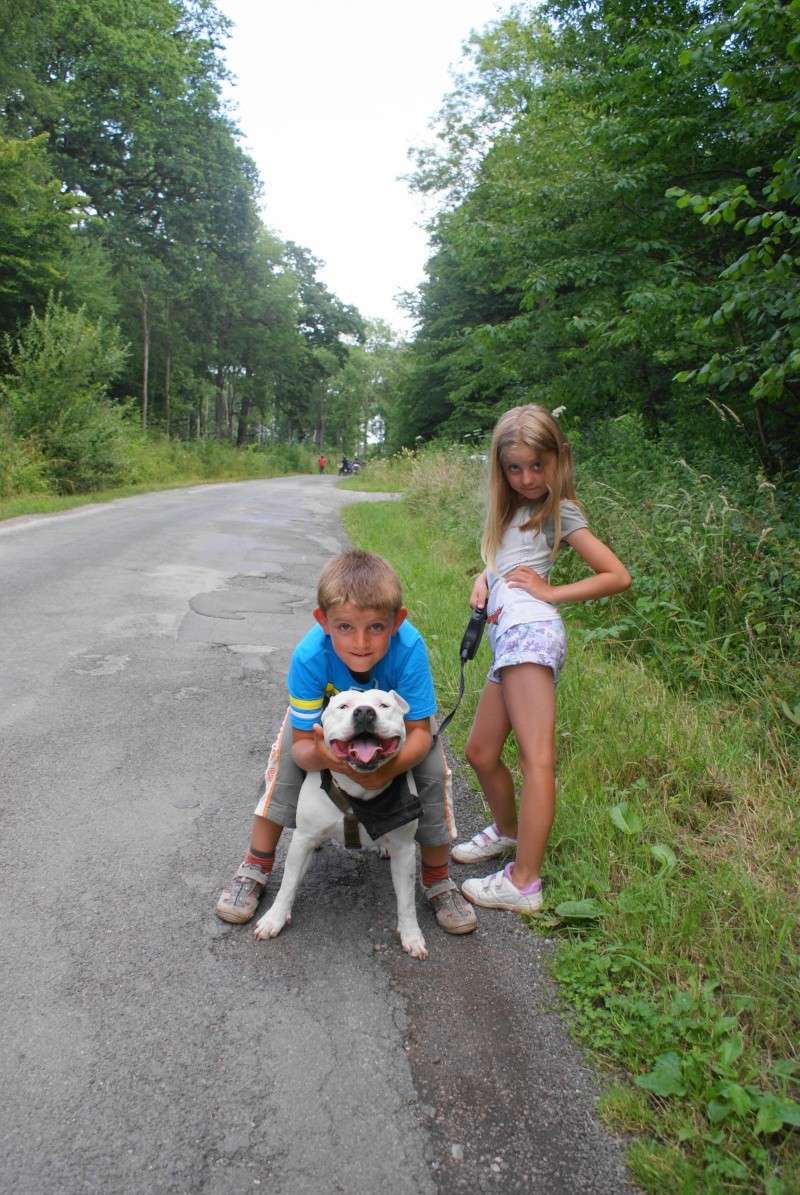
[{"x": 347, "y": 467}]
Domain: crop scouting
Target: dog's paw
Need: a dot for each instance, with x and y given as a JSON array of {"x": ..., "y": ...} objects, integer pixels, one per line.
[
  {"x": 383, "y": 849},
  {"x": 271, "y": 924},
  {"x": 414, "y": 944}
]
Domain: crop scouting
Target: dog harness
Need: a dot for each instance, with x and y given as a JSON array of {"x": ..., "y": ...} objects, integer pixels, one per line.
[{"x": 396, "y": 806}]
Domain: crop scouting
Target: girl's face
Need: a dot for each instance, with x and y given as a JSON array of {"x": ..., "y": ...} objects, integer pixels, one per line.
[{"x": 530, "y": 472}]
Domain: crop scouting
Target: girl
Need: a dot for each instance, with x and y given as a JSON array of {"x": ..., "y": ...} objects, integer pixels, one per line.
[{"x": 532, "y": 511}]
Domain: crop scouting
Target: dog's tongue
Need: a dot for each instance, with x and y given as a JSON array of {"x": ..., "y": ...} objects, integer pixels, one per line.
[{"x": 364, "y": 750}]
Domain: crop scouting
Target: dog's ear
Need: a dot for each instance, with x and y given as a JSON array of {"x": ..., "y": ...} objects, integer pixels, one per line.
[{"x": 401, "y": 701}]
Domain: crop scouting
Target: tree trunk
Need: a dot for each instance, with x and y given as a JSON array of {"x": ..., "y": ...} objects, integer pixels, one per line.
[
  {"x": 763, "y": 445},
  {"x": 242, "y": 431},
  {"x": 145, "y": 356},
  {"x": 167, "y": 386},
  {"x": 219, "y": 403},
  {"x": 168, "y": 374}
]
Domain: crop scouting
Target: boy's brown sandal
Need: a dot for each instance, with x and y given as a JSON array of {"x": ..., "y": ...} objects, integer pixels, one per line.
[
  {"x": 453, "y": 913},
  {"x": 239, "y": 900}
]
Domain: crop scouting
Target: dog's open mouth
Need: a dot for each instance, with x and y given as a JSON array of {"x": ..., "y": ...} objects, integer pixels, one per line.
[{"x": 365, "y": 751}]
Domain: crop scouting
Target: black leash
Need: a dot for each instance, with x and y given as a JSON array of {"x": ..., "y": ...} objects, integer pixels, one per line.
[{"x": 469, "y": 646}]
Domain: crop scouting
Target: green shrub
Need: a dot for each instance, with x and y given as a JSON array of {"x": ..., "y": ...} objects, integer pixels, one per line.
[
  {"x": 715, "y": 601},
  {"x": 60, "y": 368},
  {"x": 23, "y": 469}
]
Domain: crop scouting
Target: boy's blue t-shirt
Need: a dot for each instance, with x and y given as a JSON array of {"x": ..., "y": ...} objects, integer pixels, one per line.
[{"x": 316, "y": 672}]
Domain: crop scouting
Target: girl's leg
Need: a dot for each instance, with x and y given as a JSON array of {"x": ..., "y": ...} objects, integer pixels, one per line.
[
  {"x": 529, "y": 697},
  {"x": 489, "y": 732}
]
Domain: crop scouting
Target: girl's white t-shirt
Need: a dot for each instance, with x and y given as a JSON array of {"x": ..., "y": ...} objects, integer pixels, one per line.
[{"x": 534, "y": 549}]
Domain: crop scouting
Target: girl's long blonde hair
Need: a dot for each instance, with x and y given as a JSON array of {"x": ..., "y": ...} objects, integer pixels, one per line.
[{"x": 531, "y": 427}]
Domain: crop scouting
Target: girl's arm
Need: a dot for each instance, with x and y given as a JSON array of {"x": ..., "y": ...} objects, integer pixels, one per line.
[{"x": 610, "y": 574}]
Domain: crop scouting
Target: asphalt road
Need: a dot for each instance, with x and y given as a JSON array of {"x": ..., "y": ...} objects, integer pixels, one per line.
[{"x": 144, "y": 1045}]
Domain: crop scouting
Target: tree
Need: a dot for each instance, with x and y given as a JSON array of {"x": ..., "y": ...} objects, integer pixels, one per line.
[
  {"x": 754, "y": 329},
  {"x": 561, "y": 270},
  {"x": 35, "y": 220},
  {"x": 56, "y": 392},
  {"x": 126, "y": 191}
]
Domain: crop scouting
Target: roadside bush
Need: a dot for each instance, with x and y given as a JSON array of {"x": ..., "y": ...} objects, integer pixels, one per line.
[
  {"x": 713, "y": 550},
  {"x": 155, "y": 459},
  {"x": 60, "y": 367},
  {"x": 446, "y": 484},
  {"x": 23, "y": 469}
]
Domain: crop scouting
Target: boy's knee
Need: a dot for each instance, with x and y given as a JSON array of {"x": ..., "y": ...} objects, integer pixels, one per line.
[
  {"x": 432, "y": 768},
  {"x": 431, "y": 777}
]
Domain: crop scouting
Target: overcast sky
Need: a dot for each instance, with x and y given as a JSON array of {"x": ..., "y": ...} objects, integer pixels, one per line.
[{"x": 331, "y": 95}]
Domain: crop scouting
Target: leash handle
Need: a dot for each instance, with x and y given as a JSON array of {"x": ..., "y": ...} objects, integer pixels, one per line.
[
  {"x": 469, "y": 647},
  {"x": 473, "y": 634}
]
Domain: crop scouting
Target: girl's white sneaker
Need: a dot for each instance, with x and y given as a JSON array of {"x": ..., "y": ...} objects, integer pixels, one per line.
[
  {"x": 487, "y": 844},
  {"x": 499, "y": 892}
]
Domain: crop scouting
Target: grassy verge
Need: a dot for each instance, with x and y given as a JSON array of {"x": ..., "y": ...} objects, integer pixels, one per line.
[
  {"x": 32, "y": 504},
  {"x": 383, "y": 476},
  {"x": 671, "y": 882},
  {"x": 162, "y": 464}
]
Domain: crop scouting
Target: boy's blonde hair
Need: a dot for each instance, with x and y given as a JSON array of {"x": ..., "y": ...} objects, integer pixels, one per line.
[
  {"x": 362, "y": 578},
  {"x": 531, "y": 427}
]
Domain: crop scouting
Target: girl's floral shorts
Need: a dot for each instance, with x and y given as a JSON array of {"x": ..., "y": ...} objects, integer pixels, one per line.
[{"x": 529, "y": 643}]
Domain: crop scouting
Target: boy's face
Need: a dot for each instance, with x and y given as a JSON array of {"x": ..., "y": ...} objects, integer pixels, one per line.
[{"x": 360, "y": 636}]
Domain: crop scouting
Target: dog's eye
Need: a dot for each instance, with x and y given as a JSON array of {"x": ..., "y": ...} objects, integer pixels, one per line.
[{"x": 384, "y": 705}]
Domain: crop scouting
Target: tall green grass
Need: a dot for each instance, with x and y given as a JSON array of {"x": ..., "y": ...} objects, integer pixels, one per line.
[
  {"x": 671, "y": 873},
  {"x": 714, "y": 549},
  {"x": 150, "y": 462}
]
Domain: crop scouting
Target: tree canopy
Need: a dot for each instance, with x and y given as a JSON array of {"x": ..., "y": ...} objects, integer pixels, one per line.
[
  {"x": 125, "y": 193},
  {"x": 616, "y": 189},
  {"x": 617, "y": 223}
]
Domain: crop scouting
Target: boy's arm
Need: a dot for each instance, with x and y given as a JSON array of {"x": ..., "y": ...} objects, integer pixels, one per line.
[{"x": 310, "y": 753}]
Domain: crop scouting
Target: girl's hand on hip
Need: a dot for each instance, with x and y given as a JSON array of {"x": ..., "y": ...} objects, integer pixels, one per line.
[{"x": 524, "y": 577}]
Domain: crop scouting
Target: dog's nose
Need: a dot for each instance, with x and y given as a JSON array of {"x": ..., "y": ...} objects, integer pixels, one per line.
[{"x": 363, "y": 717}]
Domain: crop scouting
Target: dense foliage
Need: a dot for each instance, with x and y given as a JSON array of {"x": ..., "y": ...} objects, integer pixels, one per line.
[
  {"x": 618, "y": 223},
  {"x": 130, "y": 213}
]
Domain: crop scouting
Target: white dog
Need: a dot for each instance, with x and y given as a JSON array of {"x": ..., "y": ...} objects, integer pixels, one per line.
[{"x": 366, "y": 730}]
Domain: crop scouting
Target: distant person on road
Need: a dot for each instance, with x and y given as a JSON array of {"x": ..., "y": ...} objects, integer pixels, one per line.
[
  {"x": 532, "y": 513},
  {"x": 322, "y": 462},
  {"x": 362, "y": 640}
]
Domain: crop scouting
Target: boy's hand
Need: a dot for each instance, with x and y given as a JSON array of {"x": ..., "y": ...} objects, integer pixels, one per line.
[{"x": 368, "y": 780}]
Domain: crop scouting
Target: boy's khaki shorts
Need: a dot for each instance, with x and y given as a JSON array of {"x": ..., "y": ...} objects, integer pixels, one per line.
[{"x": 280, "y": 790}]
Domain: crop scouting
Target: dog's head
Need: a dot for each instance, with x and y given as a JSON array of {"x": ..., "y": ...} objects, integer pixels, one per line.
[{"x": 365, "y": 729}]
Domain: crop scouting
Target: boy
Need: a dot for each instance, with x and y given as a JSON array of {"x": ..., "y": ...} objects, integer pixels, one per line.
[{"x": 362, "y": 641}]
